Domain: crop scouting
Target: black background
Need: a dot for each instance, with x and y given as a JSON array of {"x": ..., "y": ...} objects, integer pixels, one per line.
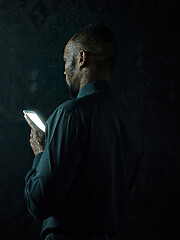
[{"x": 32, "y": 39}]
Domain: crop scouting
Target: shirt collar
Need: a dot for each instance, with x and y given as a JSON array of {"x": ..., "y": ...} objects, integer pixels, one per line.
[{"x": 98, "y": 85}]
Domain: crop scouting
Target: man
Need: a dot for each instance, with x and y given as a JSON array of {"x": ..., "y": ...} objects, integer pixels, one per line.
[{"x": 80, "y": 180}]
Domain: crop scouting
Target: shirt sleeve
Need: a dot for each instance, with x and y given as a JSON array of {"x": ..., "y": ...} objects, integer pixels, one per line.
[{"x": 53, "y": 171}]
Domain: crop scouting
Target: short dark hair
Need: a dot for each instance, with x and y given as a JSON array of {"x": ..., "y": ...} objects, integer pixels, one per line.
[{"x": 99, "y": 41}]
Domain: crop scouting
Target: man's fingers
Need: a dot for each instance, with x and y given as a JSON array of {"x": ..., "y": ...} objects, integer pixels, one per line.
[
  {"x": 40, "y": 135},
  {"x": 31, "y": 134},
  {"x": 37, "y": 144}
]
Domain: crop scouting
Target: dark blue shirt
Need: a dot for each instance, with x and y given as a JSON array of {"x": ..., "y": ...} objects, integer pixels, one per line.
[{"x": 80, "y": 183}]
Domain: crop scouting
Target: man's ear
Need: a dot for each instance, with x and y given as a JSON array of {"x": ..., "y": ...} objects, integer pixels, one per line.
[{"x": 82, "y": 58}]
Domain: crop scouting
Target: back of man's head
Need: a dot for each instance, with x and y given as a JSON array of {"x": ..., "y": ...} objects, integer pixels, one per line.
[{"x": 99, "y": 41}]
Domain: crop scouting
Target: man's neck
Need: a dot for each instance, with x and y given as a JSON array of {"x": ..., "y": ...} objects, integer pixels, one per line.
[{"x": 87, "y": 79}]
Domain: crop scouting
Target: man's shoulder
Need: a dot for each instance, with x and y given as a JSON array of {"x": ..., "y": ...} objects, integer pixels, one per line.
[
  {"x": 73, "y": 106},
  {"x": 67, "y": 108}
]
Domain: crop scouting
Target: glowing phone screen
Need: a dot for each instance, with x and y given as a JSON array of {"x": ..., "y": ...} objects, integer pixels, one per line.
[{"x": 35, "y": 119}]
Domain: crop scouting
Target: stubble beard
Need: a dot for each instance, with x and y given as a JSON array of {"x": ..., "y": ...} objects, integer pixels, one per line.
[
  {"x": 73, "y": 81},
  {"x": 73, "y": 93}
]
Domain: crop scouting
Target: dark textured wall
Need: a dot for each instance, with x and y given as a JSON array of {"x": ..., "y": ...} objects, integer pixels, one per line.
[{"x": 32, "y": 39}]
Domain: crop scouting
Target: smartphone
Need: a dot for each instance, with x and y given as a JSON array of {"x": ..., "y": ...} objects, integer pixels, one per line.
[{"x": 35, "y": 119}]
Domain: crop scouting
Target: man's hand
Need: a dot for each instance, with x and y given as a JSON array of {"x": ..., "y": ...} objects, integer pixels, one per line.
[{"x": 37, "y": 138}]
